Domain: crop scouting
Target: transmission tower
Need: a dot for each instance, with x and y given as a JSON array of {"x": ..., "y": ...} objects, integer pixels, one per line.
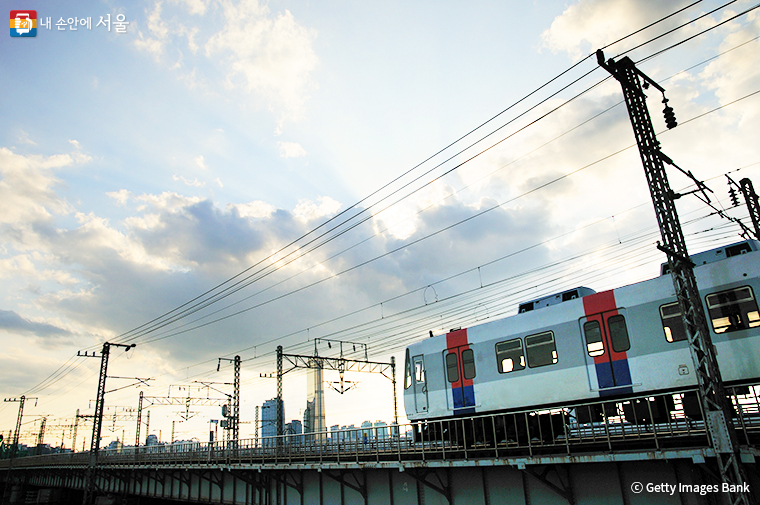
[
  {"x": 715, "y": 405},
  {"x": 97, "y": 424},
  {"x": 21, "y": 401}
]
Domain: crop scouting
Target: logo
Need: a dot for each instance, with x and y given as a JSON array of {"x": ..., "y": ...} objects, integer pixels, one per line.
[{"x": 23, "y": 23}]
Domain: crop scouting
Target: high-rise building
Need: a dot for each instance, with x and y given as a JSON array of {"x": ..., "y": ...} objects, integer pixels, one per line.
[
  {"x": 269, "y": 421},
  {"x": 314, "y": 415}
]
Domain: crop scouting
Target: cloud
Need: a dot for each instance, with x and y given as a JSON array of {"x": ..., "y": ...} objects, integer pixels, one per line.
[
  {"x": 194, "y": 183},
  {"x": 291, "y": 150},
  {"x": 200, "y": 162},
  {"x": 27, "y": 188},
  {"x": 587, "y": 25},
  {"x": 12, "y": 322},
  {"x": 306, "y": 210},
  {"x": 268, "y": 55}
]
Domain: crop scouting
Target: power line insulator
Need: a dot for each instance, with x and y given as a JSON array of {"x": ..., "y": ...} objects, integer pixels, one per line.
[
  {"x": 670, "y": 116},
  {"x": 734, "y": 197}
]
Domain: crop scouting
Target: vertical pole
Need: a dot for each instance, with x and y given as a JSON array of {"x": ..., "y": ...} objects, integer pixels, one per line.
[
  {"x": 14, "y": 449},
  {"x": 393, "y": 380},
  {"x": 280, "y": 413},
  {"x": 236, "y": 403},
  {"x": 41, "y": 435},
  {"x": 74, "y": 433},
  {"x": 89, "y": 487},
  {"x": 139, "y": 420},
  {"x": 715, "y": 404},
  {"x": 256, "y": 428},
  {"x": 753, "y": 205}
]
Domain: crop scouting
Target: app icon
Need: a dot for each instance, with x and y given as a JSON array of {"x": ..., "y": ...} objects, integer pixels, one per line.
[{"x": 23, "y": 23}]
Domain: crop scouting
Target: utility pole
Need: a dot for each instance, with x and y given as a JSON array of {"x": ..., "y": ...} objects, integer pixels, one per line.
[
  {"x": 751, "y": 199},
  {"x": 21, "y": 401},
  {"x": 41, "y": 435},
  {"x": 715, "y": 405},
  {"x": 234, "y": 418},
  {"x": 753, "y": 204},
  {"x": 89, "y": 487}
]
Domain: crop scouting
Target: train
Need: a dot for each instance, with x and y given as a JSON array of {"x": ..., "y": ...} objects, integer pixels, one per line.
[{"x": 581, "y": 346}]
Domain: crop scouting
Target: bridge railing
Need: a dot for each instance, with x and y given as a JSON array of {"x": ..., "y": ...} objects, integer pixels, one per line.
[{"x": 643, "y": 423}]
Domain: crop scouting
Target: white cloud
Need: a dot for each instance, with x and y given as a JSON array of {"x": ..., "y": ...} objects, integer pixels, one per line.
[
  {"x": 250, "y": 48},
  {"x": 257, "y": 209},
  {"x": 200, "y": 162},
  {"x": 194, "y": 183},
  {"x": 270, "y": 56},
  {"x": 291, "y": 150},
  {"x": 587, "y": 25},
  {"x": 27, "y": 187},
  {"x": 306, "y": 210}
]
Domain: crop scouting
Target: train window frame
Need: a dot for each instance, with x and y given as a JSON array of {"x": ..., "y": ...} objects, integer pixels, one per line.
[
  {"x": 531, "y": 358},
  {"x": 408, "y": 372},
  {"x": 510, "y": 355},
  {"x": 675, "y": 331},
  {"x": 449, "y": 367},
  {"x": 617, "y": 336},
  {"x": 468, "y": 364},
  {"x": 596, "y": 351},
  {"x": 720, "y": 310}
]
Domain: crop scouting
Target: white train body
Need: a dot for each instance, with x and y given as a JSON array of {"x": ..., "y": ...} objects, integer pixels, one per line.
[{"x": 625, "y": 341}]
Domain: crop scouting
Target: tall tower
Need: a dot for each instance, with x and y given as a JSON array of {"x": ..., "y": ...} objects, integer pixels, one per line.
[{"x": 315, "y": 399}]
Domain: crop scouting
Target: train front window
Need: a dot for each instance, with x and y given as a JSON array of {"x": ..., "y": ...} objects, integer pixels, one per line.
[
  {"x": 618, "y": 333},
  {"x": 452, "y": 368},
  {"x": 593, "y": 333},
  {"x": 672, "y": 322},
  {"x": 510, "y": 356},
  {"x": 468, "y": 364},
  {"x": 733, "y": 310},
  {"x": 408, "y": 372},
  {"x": 541, "y": 349},
  {"x": 419, "y": 371}
]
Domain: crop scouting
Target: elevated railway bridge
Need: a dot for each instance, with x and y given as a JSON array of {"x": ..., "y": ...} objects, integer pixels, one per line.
[{"x": 651, "y": 449}]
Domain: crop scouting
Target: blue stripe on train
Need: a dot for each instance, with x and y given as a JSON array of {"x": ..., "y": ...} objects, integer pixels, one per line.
[
  {"x": 622, "y": 374},
  {"x": 464, "y": 397}
]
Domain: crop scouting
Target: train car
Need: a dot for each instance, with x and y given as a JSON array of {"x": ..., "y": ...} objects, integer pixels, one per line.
[{"x": 580, "y": 345}]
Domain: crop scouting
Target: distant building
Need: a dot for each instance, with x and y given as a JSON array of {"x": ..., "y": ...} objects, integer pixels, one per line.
[
  {"x": 294, "y": 427},
  {"x": 269, "y": 421}
]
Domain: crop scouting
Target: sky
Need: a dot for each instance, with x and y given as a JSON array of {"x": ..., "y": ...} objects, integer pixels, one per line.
[{"x": 481, "y": 154}]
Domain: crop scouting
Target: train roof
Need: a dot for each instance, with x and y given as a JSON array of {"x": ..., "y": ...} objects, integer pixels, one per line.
[
  {"x": 546, "y": 301},
  {"x": 717, "y": 254}
]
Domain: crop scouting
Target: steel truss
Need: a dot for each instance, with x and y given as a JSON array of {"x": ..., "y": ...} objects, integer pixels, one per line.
[
  {"x": 340, "y": 365},
  {"x": 711, "y": 393}
]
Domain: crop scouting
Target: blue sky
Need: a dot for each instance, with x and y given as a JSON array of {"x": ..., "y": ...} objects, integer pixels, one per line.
[{"x": 139, "y": 169}]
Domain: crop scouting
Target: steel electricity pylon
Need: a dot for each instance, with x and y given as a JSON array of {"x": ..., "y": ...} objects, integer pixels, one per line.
[
  {"x": 89, "y": 487},
  {"x": 716, "y": 407}
]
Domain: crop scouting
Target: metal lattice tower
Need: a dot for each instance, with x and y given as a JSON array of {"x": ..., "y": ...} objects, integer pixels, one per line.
[
  {"x": 89, "y": 487},
  {"x": 712, "y": 396},
  {"x": 753, "y": 205}
]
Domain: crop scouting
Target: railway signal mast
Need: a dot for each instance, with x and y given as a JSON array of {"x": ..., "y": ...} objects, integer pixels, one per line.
[{"x": 715, "y": 405}]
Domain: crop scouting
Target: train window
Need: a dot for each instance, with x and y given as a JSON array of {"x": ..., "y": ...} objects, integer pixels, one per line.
[
  {"x": 733, "y": 310},
  {"x": 672, "y": 322},
  {"x": 541, "y": 349},
  {"x": 510, "y": 356},
  {"x": 618, "y": 333},
  {"x": 419, "y": 370},
  {"x": 452, "y": 369},
  {"x": 593, "y": 332},
  {"x": 468, "y": 364},
  {"x": 408, "y": 372}
]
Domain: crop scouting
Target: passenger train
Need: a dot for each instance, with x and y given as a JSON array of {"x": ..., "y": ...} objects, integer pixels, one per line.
[{"x": 580, "y": 345}]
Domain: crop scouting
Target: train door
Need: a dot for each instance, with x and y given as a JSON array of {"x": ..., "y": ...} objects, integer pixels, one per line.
[
  {"x": 419, "y": 382},
  {"x": 460, "y": 370},
  {"x": 606, "y": 339}
]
